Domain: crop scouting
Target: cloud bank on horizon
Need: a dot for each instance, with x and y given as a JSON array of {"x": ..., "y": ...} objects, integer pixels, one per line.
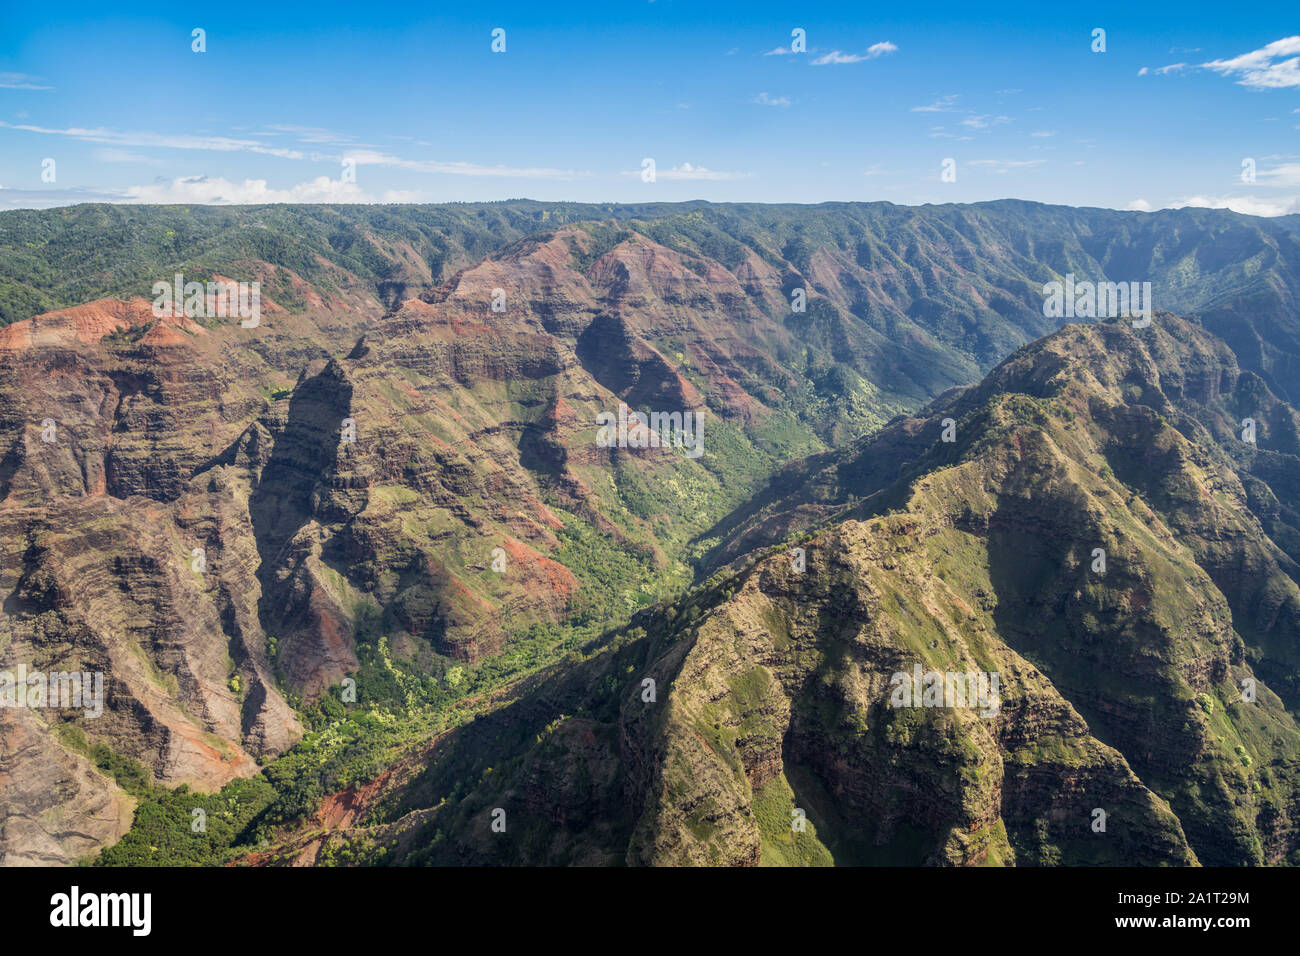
[{"x": 650, "y": 103}]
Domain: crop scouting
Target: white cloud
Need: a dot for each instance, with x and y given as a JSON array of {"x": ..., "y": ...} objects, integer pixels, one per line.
[
  {"x": 687, "y": 171},
  {"x": 222, "y": 144},
  {"x": 837, "y": 58},
  {"x": 944, "y": 104},
  {"x": 1139, "y": 205},
  {"x": 112, "y": 154},
  {"x": 312, "y": 134},
  {"x": 1246, "y": 205},
  {"x": 369, "y": 157},
  {"x": 362, "y": 157},
  {"x": 220, "y": 191},
  {"x": 1263, "y": 69},
  {"x": 210, "y": 190},
  {"x": 47, "y": 198},
  {"x": 1283, "y": 176},
  {"x": 779, "y": 51},
  {"x": 21, "y": 81},
  {"x": 1164, "y": 70},
  {"x": 765, "y": 100},
  {"x": 985, "y": 121},
  {"x": 1006, "y": 165}
]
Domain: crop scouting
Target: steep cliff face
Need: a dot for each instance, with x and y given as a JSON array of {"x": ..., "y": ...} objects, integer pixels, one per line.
[
  {"x": 788, "y": 685},
  {"x": 119, "y": 560},
  {"x": 1092, "y": 501},
  {"x": 1086, "y": 538}
]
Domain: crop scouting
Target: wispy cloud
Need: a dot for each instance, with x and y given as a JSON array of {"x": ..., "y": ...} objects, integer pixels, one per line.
[
  {"x": 362, "y": 157},
  {"x": 113, "y": 154},
  {"x": 837, "y": 58},
  {"x": 1006, "y": 165},
  {"x": 11, "y": 198},
  {"x": 311, "y": 134},
  {"x": 1164, "y": 70},
  {"x": 1246, "y": 205},
  {"x": 219, "y": 191},
  {"x": 764, "y": 100},
  {"x": 1286, "y": 175},
  {"x": 686, "y": 171},
  {"x": 223, "y": 144},
  {"x": 21, "y": 81},
  {"x": 368, "y": 157},
  {"x": 984, "y": 122},
  {"x": 944, "y": 104},
  {"x": 208, "y": 190},
  {"x": 1264, "y": 69}
]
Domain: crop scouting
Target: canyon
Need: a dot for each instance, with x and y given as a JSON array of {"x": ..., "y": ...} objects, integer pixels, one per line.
[{"x": 395, "y": 480}]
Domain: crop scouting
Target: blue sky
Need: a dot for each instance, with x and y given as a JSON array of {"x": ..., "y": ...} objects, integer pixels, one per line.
[{"x": 415, "y": 98}]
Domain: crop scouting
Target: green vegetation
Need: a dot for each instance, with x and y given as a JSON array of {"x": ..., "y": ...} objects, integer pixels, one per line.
[
  {"x": 181, "y": 828},
  {"x": 129, "y": 774},
  {"x": 788, "y": 839}
]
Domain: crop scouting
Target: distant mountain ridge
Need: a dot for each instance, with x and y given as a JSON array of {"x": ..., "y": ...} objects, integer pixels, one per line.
[{"x": 968, "y": 276}]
